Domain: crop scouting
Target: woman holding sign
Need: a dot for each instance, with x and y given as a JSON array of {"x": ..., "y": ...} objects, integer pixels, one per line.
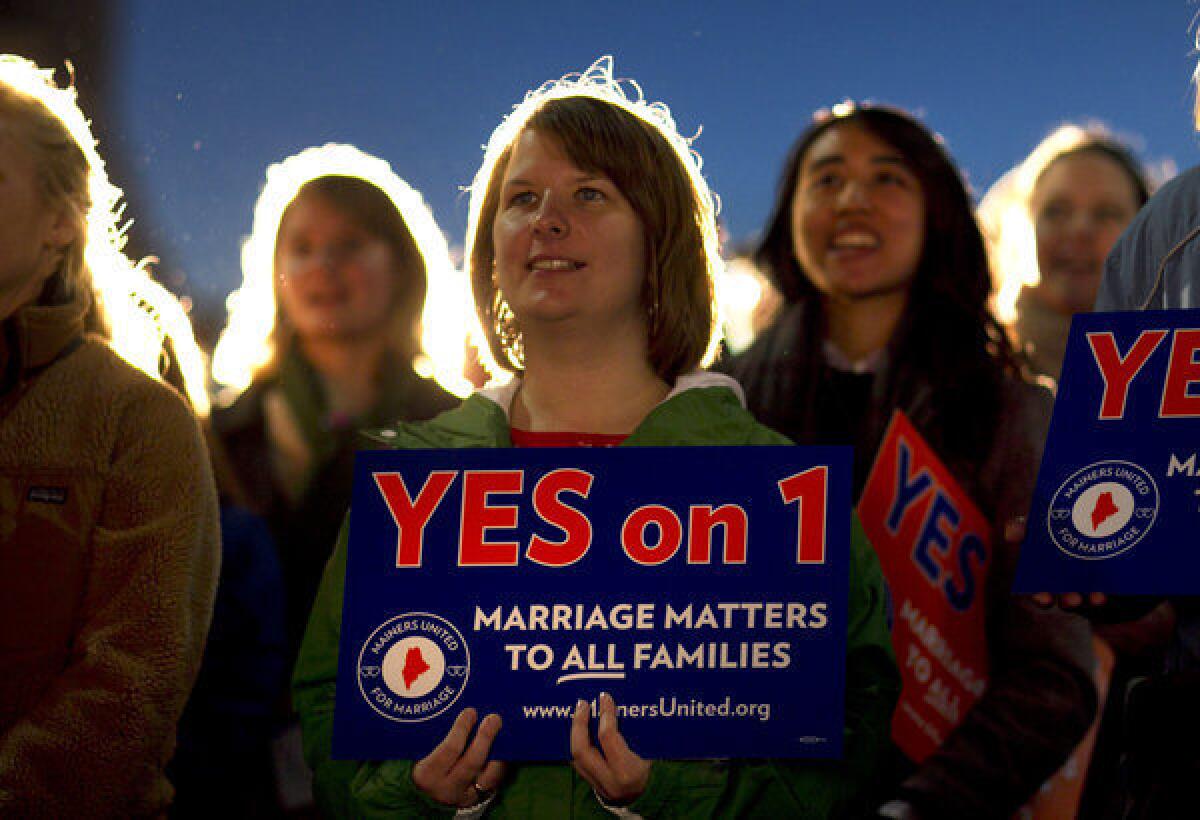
[
  {"x": 591, "y": 250},
  {"x": 874, "y": 246}
]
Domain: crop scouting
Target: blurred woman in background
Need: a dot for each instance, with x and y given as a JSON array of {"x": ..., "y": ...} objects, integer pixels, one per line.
[
  {"x": 1050, "y": 222},
  {"x": 321, "y": 342}
]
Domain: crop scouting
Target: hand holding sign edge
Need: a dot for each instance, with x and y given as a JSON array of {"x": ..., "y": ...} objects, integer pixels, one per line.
[
  {"x": 1014, "y": 534},
  {"x": 458, "y": 774},
  {"x": 617, "y": 773},
  {"x": 1097, "y": 607}
]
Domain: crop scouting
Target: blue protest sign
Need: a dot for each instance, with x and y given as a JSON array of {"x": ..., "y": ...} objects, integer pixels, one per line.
[
  {"x": 705, "y": 588},
  {"x": 1117, "y": 505}
]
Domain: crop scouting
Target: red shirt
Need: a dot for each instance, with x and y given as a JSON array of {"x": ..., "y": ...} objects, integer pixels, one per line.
[{"x": 526, "y": 438}]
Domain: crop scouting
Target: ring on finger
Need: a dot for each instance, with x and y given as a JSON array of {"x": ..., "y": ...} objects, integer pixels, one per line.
[{"x": 481, "y": 793}]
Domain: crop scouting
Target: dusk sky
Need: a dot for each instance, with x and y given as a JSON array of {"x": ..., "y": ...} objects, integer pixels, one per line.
[{"x": 215, "y": 92}]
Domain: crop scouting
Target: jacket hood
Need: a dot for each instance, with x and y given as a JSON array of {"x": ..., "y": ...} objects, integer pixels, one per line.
[
  {"x": 502, "y": 395},
  {"x": 702, "y": 408}
]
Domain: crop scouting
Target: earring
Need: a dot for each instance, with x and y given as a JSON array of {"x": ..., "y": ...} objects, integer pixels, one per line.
[
  {"x": 653, "y": 311},
  {"x": 509, "y": 332}
]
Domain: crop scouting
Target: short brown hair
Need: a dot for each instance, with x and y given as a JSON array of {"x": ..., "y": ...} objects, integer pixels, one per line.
[{"x": 599, "y": 136}]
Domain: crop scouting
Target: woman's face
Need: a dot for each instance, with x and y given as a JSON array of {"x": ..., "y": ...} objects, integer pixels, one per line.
[
  {"x": 1080, "y": 205},
  {"x": 568, "y": 245},
  {"x": 335, "y": 280},
  {"x": 858, "y": 216},
  {"x": 32, "y": 234}
]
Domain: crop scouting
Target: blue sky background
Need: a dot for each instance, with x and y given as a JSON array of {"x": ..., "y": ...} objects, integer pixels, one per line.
[{"x": 213, "y": 92}]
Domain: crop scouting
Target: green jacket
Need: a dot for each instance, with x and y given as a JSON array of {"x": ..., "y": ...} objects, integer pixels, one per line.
[{"x": 703, "y": 415}]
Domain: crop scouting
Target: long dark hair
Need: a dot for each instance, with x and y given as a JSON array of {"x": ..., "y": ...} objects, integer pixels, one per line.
[{"x": 947, "y": 339}]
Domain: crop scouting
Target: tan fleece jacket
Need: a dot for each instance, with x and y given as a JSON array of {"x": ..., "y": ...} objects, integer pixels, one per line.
[{"x": 109, "y": 546}]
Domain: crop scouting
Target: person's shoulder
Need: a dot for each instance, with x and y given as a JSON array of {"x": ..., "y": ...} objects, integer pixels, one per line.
[
  {"x": 1165, "y": 218},
  {"x": 1181, "y": 189},
  {"x": 771, "y": 346},
  {"x": 476, "y": 421},
  {"x": 1161, "y": 228},
  {"x": 430, "y": 398},
  {"x": 245, "y": 411},
  {"x": 706, "y": 408},
  {"x": 1173, "y": 209},
  {"x": 119, "y": 382},
  {"x": 124, "y": 406},
  {"x": 1026, "y": 400},
  {"x": 412, "y": 396},
  {"x": 1027, "y": 389}
]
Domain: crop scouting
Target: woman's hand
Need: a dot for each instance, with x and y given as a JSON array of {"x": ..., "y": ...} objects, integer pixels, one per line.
[
  {"x": 1070, "y": 600},
  {"x": 1014, "y": 534},
  {"x": 617, "y": 774},
  {"x": 461, "y": 778}
]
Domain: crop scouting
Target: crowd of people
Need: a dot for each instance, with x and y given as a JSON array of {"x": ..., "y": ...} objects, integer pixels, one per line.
[{"x": 171, "y": 577}]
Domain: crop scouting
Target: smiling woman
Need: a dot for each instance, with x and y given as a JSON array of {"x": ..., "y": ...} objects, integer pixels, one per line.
[
  {"x": 1050, "y": 223},
  {"x": 567, "y": 243},
  {"x": 858, "y": 218},
  {"x": 592, "y": 251},
  {"x": 874, "y": 245}
]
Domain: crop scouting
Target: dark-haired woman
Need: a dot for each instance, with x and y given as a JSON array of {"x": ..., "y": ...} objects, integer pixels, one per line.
[
  {"x": 592, "y": 248},
  {"x": 873, "y": 244}
]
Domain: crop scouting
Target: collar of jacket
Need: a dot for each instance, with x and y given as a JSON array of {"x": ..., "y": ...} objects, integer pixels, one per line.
[
  {"x": 1042, "y": 333},
  {"x": 888, "y": 368},
  {"x": 713, "y": 403},
  {"x": 34, "y": 337},
  {"x": 399, "y": 382}
]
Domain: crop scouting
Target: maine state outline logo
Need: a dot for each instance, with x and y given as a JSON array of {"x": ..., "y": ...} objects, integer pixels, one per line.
[
  {"x": 413, "y": 667},
  {"x": 1103, "y": 510}
]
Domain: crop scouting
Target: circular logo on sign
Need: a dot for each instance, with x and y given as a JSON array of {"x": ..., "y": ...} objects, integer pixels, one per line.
[
  {"x": 1103, "y": 510},
  {"x": 413, "y": 667}
]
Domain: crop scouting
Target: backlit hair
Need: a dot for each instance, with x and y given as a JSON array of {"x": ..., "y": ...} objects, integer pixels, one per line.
[
  {"x": 1196, "y": 82},
  {"x": 1005, "y": 214},
  {"x": 367, "y": 191},
  {"x": 140, "y": 318},
  {"x": 607, "y": 126}
]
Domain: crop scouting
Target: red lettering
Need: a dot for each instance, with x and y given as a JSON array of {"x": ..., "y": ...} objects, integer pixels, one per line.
[
  {"x": 412, "y": 516},
  {"x": 1119, "y": 371},
  {"x": 478, "y": 516},
  {"x": 809, "y": 490},
  {"x": 1183, "y": 372},
  {"x": 574, "y": 524},
  {"x": 633, "y": 534},
  {"x": 701, "y": 522}
]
